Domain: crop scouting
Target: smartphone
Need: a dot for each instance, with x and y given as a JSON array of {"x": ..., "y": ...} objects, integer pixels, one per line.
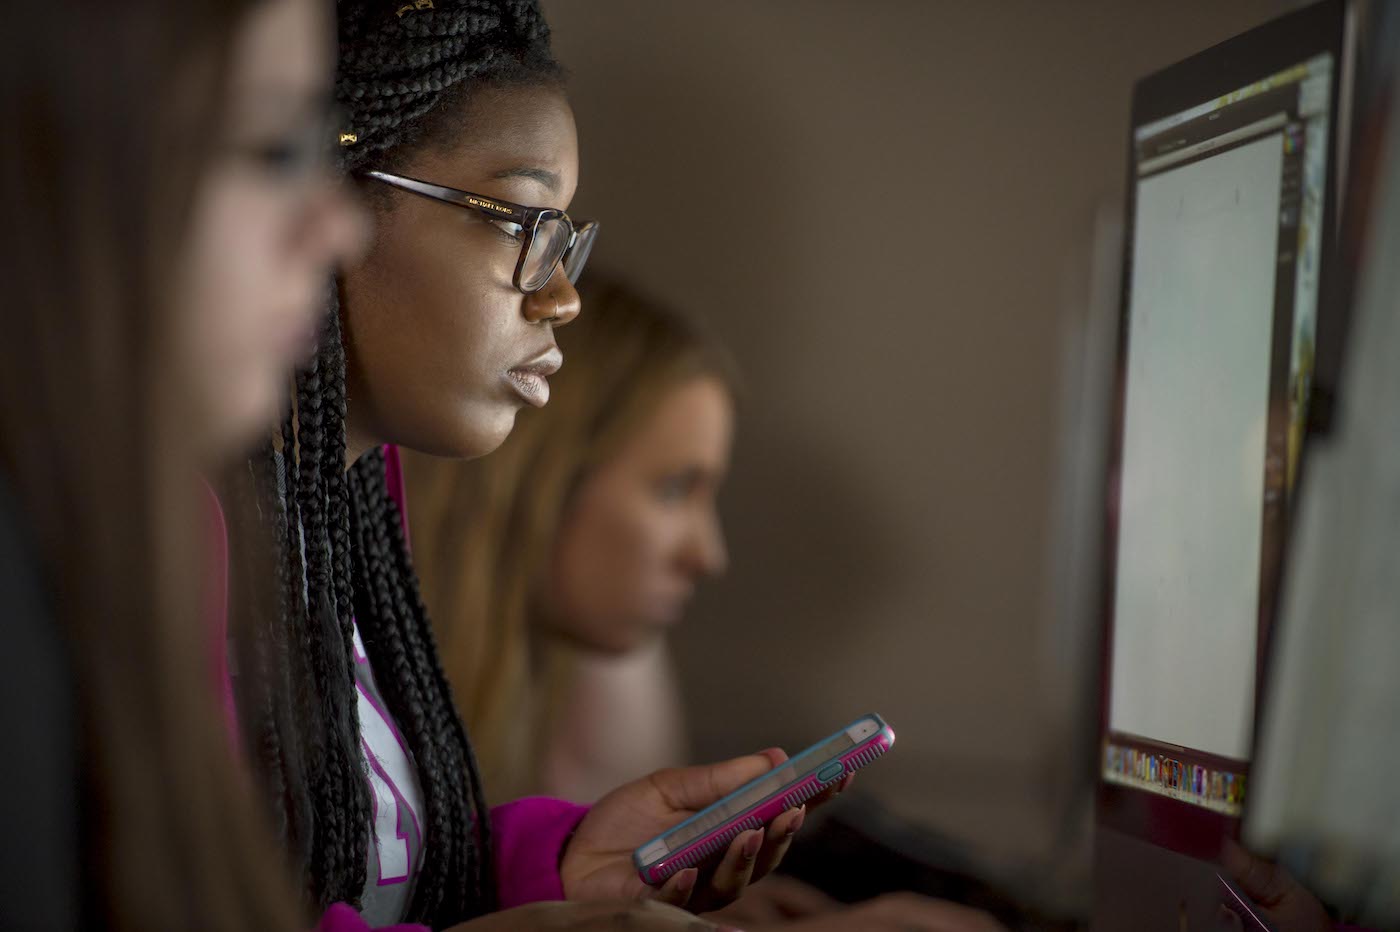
[{"x": 761, "y": 800}]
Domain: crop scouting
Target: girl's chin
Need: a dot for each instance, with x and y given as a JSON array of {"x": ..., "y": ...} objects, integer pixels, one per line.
[
  {"x": 618, "y": 640},
  {"x": 474, "y": 438},
  {"x": 239, "y": 421}
]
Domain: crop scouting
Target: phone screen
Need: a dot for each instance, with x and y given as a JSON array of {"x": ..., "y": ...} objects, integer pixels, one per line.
[{"x": 779, "y": 777}]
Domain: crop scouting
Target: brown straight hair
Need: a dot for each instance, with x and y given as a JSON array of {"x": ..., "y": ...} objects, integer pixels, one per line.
[
  {"x": 484, "y": 531},
  {"x": 105, "y": 127}
]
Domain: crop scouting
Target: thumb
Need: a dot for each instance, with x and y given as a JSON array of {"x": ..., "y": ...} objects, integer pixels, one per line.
[
  {"x": 1265, "y": 883},
  {"x": 693, "y": 788}
]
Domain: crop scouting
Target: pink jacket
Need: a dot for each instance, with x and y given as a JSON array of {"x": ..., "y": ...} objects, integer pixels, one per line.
[{"x": 528, "y": 835}]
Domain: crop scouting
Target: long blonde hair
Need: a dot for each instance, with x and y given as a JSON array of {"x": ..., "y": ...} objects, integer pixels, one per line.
[{"x": 484, "y": 531}]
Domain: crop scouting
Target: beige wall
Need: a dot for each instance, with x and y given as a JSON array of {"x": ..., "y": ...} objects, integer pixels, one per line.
[{"x": 885, "y": 208}]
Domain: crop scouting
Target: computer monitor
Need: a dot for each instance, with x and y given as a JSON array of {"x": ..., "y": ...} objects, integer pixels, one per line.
[{"x": 1229, "y": 238}]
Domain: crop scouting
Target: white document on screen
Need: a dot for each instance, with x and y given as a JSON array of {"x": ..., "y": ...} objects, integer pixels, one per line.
[{"x": 1201, "y": 318}]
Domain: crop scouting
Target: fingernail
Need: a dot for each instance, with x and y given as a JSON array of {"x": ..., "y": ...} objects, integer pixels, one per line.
[
  {"x": 686, "y": 881},
  {"x": 752, "y": 844},
  {"x": 797, "y": 821}
]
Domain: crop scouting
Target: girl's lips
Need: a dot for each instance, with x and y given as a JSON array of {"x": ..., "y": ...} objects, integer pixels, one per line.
[
  {"x": 530, "y": 385},
  {"x": 530, "y": 379}
]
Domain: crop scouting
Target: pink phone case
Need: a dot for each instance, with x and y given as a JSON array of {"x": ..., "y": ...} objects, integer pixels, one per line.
[{"x": 655, "y": 862}]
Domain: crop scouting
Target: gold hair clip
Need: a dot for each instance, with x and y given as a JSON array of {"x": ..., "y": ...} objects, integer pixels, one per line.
[
  {"x": 415, "y": 5},
  {"x": 348, "y": 139}
]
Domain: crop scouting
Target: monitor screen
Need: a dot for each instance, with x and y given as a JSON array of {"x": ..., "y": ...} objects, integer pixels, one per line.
[{"x": 1222, "y": 296}]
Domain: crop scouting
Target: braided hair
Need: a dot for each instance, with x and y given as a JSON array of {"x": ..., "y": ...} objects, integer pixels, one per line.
[{"x": 406, "y": 70}]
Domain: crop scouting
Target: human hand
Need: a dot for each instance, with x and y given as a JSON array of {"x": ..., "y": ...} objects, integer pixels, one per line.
[
  {"x": 1276, "y": 895},
  {"x": 893, "y": 912},
  {"x": 777, "y": 898},
  {"x": 597, "y": 863},
  {"x": 557, "y": 916}
]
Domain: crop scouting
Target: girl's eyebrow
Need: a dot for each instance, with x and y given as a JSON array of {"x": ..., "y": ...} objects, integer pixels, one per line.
[{"x": 541, "y": 175}]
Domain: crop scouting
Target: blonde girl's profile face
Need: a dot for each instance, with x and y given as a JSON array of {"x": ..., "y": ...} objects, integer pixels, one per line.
[{"x": 642, "y": 530}]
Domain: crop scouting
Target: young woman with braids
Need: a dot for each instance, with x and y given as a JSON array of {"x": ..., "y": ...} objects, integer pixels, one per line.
[
  {"x": 455, "y": 118},
  {"x": 167, "y": 218}
]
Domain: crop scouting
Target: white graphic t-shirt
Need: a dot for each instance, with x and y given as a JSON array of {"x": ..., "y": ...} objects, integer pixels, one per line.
[{"x": 396, "y": 839}]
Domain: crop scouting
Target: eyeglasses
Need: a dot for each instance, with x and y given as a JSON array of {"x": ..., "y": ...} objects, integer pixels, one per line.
[{"x": 547, "y": 236}]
